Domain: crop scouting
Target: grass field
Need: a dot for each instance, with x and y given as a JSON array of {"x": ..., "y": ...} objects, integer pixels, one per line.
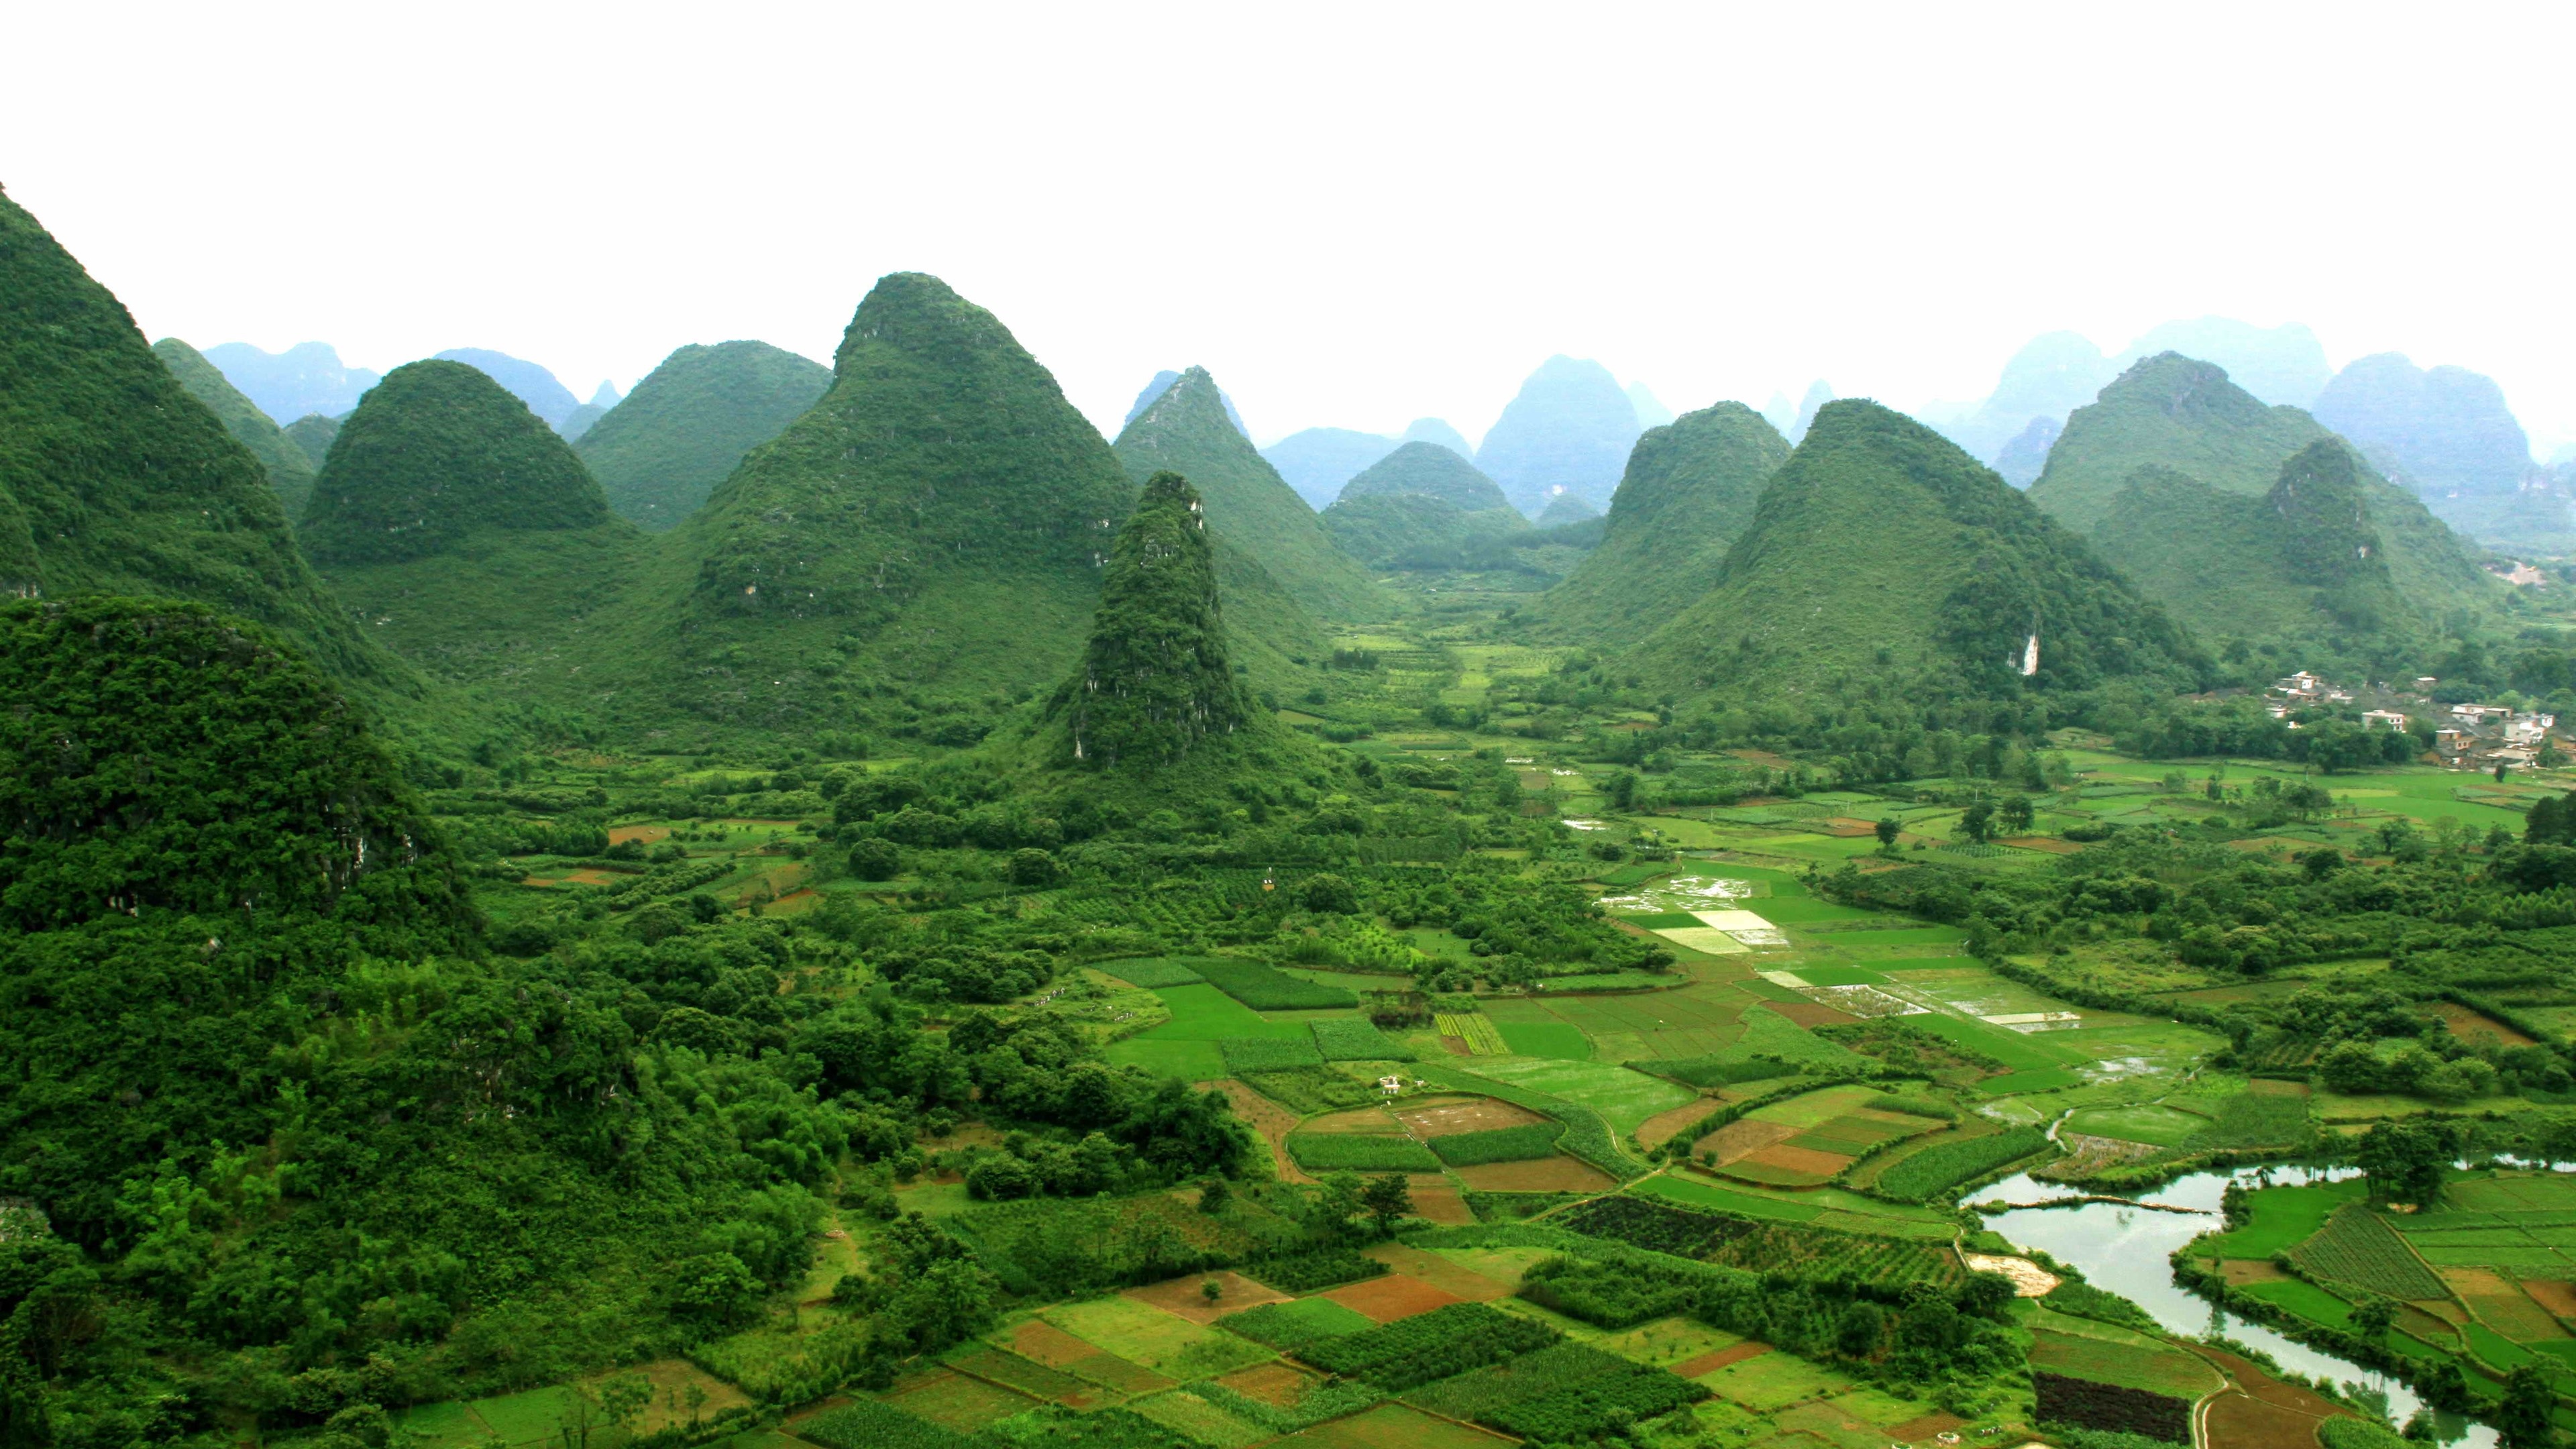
[
  {"x": 1622, "y": 1097},
  {"x": 1824, "y": 1207},
  {"x": 2283, "y": 1217},
  {"x": 1186, "y": 1045},
  {"x": 1555, "y": 1040},
  {"x": 2160, "y": 1126},
  {"x": 1151, "y": 1338}
]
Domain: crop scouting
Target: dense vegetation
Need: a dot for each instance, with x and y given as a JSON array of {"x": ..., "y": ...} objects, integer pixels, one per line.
[
  {"x": 1155, "y": 682},
  {"x": 1689, "y": 490},
  {"x": 290, "y": 468},
  {"x": 661, "y": 451}
]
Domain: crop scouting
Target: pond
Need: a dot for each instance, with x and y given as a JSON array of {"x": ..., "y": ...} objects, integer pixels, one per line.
[{"x": 2126, "y": 1250}]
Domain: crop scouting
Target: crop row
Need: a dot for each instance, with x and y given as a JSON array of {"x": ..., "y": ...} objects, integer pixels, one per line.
[
  {"x": 1932, "y": 1171},
  {"x": 1264, "y": 988},
  {"x": 1566, "y": 1393},
  {"x": 1354, "y": 1040},
  {"x": 1430, "y": 1346},
  {"x": 867, "y": 1424},
  {"x": 1267, "y": 1054},
  {"x": 2357, "y": 1247},
  {"x": 1322, "y": 1268},
  {"x": 1503, "y": 1144},
  {"x": 1355, "y": 1152}
]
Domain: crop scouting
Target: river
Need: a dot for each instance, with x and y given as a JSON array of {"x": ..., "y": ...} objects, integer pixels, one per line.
[{"x": 2126, "y": 1250}]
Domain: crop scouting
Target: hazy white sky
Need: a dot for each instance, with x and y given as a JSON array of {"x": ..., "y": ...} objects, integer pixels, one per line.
[{"x": 1353, "y": 214}]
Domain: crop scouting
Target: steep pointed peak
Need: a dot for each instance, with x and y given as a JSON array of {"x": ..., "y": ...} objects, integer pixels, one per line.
[
  {"x": 1199, "y": 384},
  {"x": 1155, "y": 684}
]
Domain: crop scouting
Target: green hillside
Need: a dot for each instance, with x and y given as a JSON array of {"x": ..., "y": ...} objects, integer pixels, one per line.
[
  {"x": 1249, "y": 509},
  {"x": 1688, "y": 492},
  {"x": 126, "y": 484},
  {"x": 937, "y": 522},
  {"x": 1880, "y": 546},
  {"x": 2185, "y": 416},
  {"x": 1415, "y": 531},
  {"x": 1156, "y": 684},
  {"x": 312, "y": 434},
  {"x": 1430, "y": 471},
  {"x": 464, "y": 534},
  {"x": 290, "y": 471},
  {"x": 687, "y": 425}
]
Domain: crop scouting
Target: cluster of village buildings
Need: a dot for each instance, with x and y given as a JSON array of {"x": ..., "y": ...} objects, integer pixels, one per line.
[{"x": 2467, "y": 736}]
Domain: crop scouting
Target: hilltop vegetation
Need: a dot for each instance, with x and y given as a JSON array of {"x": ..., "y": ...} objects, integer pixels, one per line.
[
  {"x": 1879, "y": 547},
  {"x": 1155, "y": 683},
  {"x": 1259, "y": 525},
  {"x": 290, "y": 470},
  {"x": 661, "y": 451},
  {"x": 2186, "y": 419},
  {"x": 114, "y": 480},
  {"x": 1427, "y": 470},
  {"x": 1688, "y": 492}
]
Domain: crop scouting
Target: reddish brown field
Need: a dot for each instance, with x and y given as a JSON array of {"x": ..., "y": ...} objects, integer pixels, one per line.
[
  {"x": 2241, "y": 1271},
  {"x": 1663, "y": 1127},
  {"x": 1043, "y": 1342},
  {"x": 2043, "y": 843},
  {"x": 1444, "y": 1205},
  {"x": 2268, "y": 1389},
  {"x": 1709, "y": 1363},
  {"x": 1448, "y": 1116},
  {"x": 1440, "y": 1273},
  {"x": 648, "y": 834},
  {"x": 1742, "y": 1138},
  {"x": 1182, "y": 1296},
  {"x": 1270, "y": 1383},
  {"x": 2556, "y": 1296},
  {"x": 1804, "y": 1160},
  {"x": 2237, "y": 1422},
  {"x": 1397, "y": 1295},
  {"x": 1843, "y": 827},
  {"x": 2470, "y": 1025},
  {"x": 1545, "y": 1174}
]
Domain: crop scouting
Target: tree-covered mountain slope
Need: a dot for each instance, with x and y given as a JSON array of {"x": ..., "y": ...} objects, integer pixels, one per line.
[
  {"x": 2304, "y": 566},
  {"x": 1255, "y": 519},
  {"x": 312, "y": 435},
  {"x": 1156, "y": 683},
  {"x": 1688, "y": 492},
  {"x": 934, "y": 526},
  {"x": 126, "y": 484},
  {"x": 1880, "y": 547},
  {"x": 463, "y": 533},
  {"x": 687, "y": 425},
  {"x": 2175, "y": 413},
  {"x": 1428, "y": 470},
  {"x": 530, "y": 382},
  {"x": 1423, "y": 531},
  {"x": 290, "y": 471}
]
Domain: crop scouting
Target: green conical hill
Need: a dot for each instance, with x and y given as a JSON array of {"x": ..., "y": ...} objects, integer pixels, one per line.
[
  {"x": 938, "y": 521},
  {"x": 1689, "y": 490},
  {"x": 687, "y": 425},
  {"x": 2174, "y": 413},
  {"x": 1422, "y": 531},
  {"x": 1250, "y": 509},
  {"x": 290, "y": 472},
  {"x": 435, "y": 451},
  {"x": 1155, "y": 683},
  {"x": 1430, "y": 471},
  {"x": 464, "y": 533},
  {"x": 126, "y": 484},
  {"x": 1880, "y": 547},
  {"x": 2304, "y": 565},
  {"x": 312, "y": 435}
]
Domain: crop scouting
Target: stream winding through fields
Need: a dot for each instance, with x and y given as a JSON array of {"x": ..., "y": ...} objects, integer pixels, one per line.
[{"x": 2126, "y": 1249}]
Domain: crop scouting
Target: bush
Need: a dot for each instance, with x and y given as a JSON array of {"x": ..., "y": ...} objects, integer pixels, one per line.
[
  {"x": 1358, "y": 1041},
  {"x": 867, "y": 1424},
  {"x": 1264, "y": 988},
  {"x": 1505, "y": 1144},
  {"x": 1934, "y": 1170},
  {"x": 1353, "y": 1152},
  {"x": 1615, "y": 1293},
  {"x": 1397, "y": 1356},
  {"x": 1265, "y": 1054},
  {"x": 875, "y": 860}
]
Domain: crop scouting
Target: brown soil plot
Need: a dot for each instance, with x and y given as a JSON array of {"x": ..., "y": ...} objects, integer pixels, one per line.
[
  {"x": 2470, "y": 1025},
  {"x": 1544, "y": 1174},
  {"x": 1444, "y": 1205},
  {"x": 1800, "y": 1159},
  {"x": 1709, "y": 1363},
  {"x": 648, "y": 834},
  {"x": 1397, "y": 1295},
  {"x": 1916, "y": 1430},
  {"x": 1276, "y": 1384},
  {"x": 1440, "y": 1273},
  {"x": 1663, "y": 1127},
  {"x": 1364, "y": 1121},
  {"x": 1395, "y": 1426},
  {"x": 2550, "y": 1293},
  {"x": 2237, "y": 1422},
  {"x": 1449, "y": 1116},
  {"x": 1742, "y": 1138},
  {"x": 1185, "y": 1298},
  {"x": 2241, "y": 1271}
]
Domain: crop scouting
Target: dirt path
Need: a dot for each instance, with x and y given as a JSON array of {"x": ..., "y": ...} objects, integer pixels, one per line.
[{"x": 1269, "y": 1119}]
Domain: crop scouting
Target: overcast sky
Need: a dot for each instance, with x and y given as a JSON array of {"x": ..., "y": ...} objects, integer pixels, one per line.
[{"x": 1352, "y": 214}]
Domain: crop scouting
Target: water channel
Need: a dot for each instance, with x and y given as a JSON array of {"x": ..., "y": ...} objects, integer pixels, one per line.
[{"x": 2126, "y": 1250}]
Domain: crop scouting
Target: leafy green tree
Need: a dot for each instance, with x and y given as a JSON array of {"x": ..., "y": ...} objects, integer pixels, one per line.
[
  {"x": 2404, "y": 1160},
  {"x": 2523, "y": 1416},
  {"x": 1388, "y": 1199},
  {"x": 2372, "y": 1317},
  {"x": 1214, "y": 1194},
  {"x": 1977, "y": 822},
  {"x": 2015, "y": 813},
  {"x": 1888, "y": 829},
  {"x": 1325, "y": 893}
]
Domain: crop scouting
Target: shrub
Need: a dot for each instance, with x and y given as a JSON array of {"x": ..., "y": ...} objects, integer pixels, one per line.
[
  {"x": 1936, "y": 1169},
  {"x": 1612, "y": 1293},
  {"x": 1264, "y": 988},
  {"x": 1358, "y": 1041},
  {"x": 867, "y": 1424},
  {"x": 1505, "y": 1144},
  {"x": 1350, "y": 1151},
  {"x": 1264, "y": 1054}
]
